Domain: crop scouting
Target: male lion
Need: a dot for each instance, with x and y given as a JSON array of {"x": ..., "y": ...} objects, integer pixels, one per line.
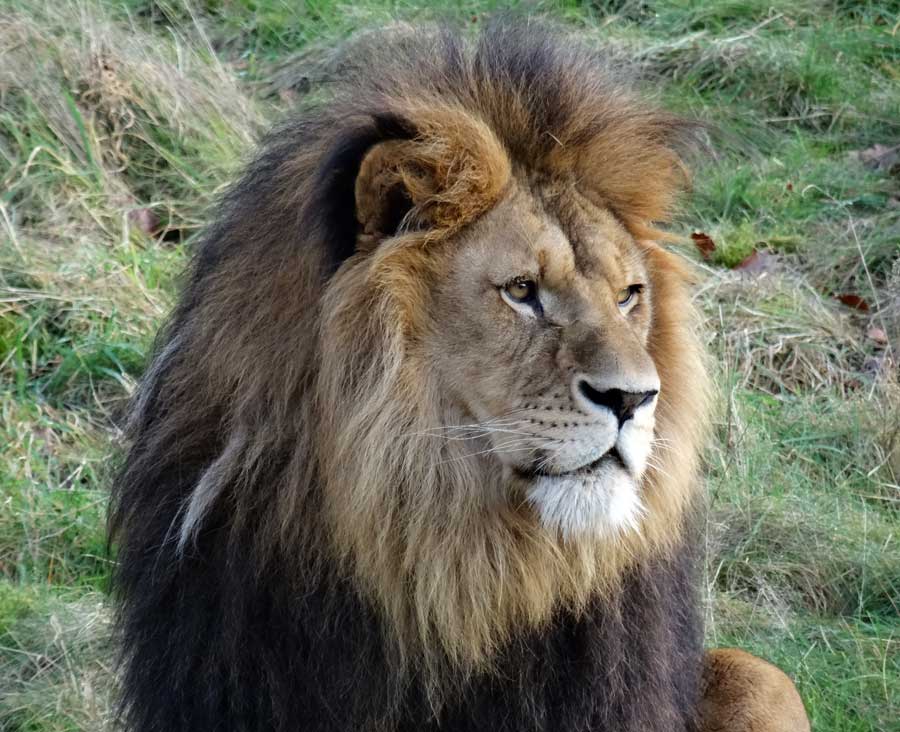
[{"x": 417, "y": 450}]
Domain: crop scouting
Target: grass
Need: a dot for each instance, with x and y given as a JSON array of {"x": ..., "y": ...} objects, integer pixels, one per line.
[{"x": 121, "y": 121}]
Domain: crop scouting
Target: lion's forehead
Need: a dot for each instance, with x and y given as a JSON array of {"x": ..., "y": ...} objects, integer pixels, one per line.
[{"x": 570, "y": 245}]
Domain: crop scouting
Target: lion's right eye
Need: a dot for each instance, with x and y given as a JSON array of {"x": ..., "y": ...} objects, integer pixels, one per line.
[
  {"x": 521, "y": 291},
  {"x": 521, "y": 294}
]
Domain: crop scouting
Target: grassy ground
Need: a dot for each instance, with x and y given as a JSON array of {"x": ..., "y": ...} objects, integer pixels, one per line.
[{"x": 120, "y": 121}]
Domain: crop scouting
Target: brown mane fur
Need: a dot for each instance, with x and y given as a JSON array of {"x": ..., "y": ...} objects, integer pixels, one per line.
[{"x": 291, "y": 382}]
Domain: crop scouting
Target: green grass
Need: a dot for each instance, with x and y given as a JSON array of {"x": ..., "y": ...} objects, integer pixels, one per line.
[{"x": 110, "y": 110}]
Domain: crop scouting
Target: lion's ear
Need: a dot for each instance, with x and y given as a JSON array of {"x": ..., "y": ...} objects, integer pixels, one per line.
[
  {"x": 390, "y": 184},
  {"x": 454, "y": 170}
]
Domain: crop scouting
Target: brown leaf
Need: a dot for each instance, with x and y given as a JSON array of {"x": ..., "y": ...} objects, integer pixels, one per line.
[
  {"x": 790, "y": 186},
  {"x": 759, "y": 263},
  {"x": 704, "y": 243},
  {"x": 853, "y": 301},
  {"x": 877, "y": 335},
  {"x": 145, "y": 220}
]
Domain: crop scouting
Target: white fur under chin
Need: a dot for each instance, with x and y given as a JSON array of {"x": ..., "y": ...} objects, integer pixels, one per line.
[{"x": 600, "y": 505}]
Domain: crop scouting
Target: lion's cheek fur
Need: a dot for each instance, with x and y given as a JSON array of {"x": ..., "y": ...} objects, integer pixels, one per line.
[{"x": 670, "y": 485}]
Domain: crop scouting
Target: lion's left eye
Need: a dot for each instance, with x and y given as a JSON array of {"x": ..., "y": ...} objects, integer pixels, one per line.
[{"x": 627, "y": 294}]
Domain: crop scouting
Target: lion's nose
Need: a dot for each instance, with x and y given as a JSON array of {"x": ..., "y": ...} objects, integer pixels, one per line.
[{"x": 621, "y": 403}]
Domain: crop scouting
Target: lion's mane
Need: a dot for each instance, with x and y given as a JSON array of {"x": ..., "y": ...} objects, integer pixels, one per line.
[{"x": 295, "y": 549}]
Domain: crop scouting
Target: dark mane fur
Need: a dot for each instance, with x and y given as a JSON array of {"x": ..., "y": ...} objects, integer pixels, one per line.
[{"x": 250, "y": 622}]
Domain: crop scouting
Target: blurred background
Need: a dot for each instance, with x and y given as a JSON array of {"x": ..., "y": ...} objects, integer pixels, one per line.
[{"x": 120, "y": 122}]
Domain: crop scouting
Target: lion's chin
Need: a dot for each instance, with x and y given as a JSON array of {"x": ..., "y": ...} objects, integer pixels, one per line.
[{"x": 600, "y": 504}]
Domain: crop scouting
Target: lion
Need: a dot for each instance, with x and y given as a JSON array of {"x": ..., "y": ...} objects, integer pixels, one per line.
[{"x": 418, "y": 446}]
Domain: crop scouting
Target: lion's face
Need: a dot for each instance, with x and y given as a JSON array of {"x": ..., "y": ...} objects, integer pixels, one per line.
[{"x": 543, "y": 348}]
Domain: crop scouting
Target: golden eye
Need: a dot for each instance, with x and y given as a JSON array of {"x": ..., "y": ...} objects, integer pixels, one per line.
[
  {"x": 522, "y": 291},
  {"x": 626, "y": 294}
]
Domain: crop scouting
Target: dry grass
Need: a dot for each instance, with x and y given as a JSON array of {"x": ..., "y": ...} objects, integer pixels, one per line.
[
  {"x": 778, "y": 334},
  {"x": 56, "y": 667}
]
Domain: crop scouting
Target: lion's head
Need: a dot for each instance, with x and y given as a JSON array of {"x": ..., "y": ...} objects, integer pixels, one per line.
[
  {"x": 534, "y": 348},
  {"x": 433, "y": 341}
]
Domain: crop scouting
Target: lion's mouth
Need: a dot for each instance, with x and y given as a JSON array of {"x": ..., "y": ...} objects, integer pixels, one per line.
[{"x": 538, "y": 470}]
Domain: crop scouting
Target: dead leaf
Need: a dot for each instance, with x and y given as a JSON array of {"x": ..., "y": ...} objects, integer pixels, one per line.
[
  {"x": 759, "y": 262},
  {"x": 145, "y": 220},
  {"x": 790, "y": 186},
  {"x": 704, "y": 243},
  {"x": 853, "y": 301},
  {"x": 877, "y": 335}
]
